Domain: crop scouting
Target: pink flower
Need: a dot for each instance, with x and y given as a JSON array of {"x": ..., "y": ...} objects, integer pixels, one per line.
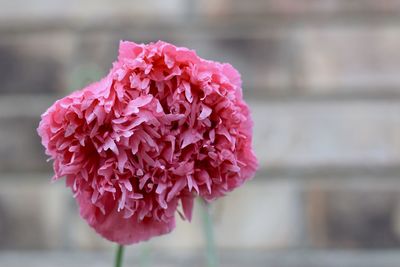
[{"x": 163, "y": 127}]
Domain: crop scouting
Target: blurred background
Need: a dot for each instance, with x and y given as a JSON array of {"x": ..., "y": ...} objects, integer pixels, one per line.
[{"x": 322, "y": 79}]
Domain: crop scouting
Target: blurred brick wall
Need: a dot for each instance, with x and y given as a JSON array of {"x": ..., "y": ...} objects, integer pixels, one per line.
[{"x": 322, "y": 78}]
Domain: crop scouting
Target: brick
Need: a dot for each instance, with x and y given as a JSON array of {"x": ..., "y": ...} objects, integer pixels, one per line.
[
  {"x": 310, "y": 134},
  {"x": 239, "y": 213},
  {"x": 355, "y": 213},
  {"x": 240, "y": 221},
  {"x": 298, "y": 134},
  {"x": 293, "y": 7},
  {"x": 348, "y": 59},
  {"x": 31, "y": 213},
  {"x": 331, "y": 61},
  {"x": 171, "y": 9},
  {"x": 334, "y": 61},
  {"x": 37, "y": 214},
  {"x": 51, "y": 219},
  {"x": 236, "y": 258},
  {"x": 265, "y": 63},
  {"x": 90, "y": 10},
  {"x": 260, "y": 215},
  {"x": 20, "y": 147},
  {"x": 34, "y": 63}
]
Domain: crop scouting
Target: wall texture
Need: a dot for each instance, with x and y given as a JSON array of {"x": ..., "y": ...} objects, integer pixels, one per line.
[{"x": 322, "y": 79}]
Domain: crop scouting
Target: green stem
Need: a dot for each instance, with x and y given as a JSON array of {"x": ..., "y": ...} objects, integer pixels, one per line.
[
  {"x": 211, "y": 252},
  {"x": 119, "y": 256}
]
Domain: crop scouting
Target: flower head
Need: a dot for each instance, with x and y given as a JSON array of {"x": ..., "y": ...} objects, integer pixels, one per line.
[{"x": 163, "y": 127}]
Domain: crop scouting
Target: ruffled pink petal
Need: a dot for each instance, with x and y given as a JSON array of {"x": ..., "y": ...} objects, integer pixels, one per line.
[
  {"x": 163, "y": 127},
  {"x": 114, "y": 227}
]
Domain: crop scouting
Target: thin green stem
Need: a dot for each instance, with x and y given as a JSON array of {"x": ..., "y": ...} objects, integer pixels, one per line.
[
  {"x": 119, "y": 256},
  {"x": 211, "y": 252}
]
